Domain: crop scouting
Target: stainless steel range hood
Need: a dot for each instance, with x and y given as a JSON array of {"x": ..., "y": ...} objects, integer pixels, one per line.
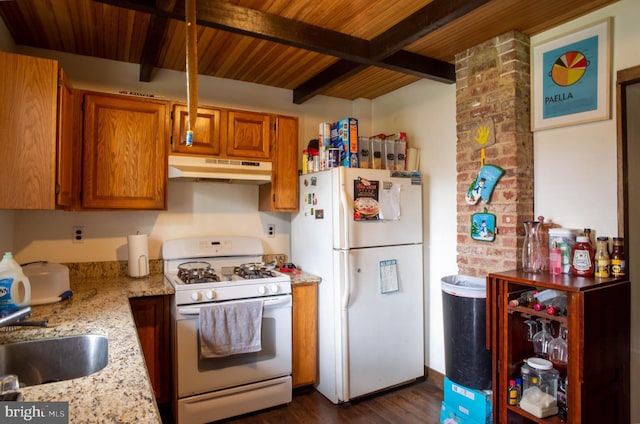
[{"x": 230, "y": 170}]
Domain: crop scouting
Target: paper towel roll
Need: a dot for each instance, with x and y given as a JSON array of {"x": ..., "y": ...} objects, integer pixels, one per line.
[
  {"x": 138, "y": 255},
  {"x": 413, "y": 159}
]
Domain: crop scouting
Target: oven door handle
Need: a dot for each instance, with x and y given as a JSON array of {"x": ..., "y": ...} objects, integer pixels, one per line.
[{"x": 267, "y": 302}]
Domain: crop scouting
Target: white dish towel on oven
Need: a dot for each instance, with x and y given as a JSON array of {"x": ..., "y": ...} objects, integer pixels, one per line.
[{"x": 230, "y": 328}]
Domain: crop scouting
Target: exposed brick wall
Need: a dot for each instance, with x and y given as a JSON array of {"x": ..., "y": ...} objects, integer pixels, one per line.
[{"x": 492, "y": 81}]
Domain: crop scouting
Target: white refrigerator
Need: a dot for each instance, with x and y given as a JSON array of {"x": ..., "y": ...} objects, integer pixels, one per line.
[{"x": 370, "y": 299}]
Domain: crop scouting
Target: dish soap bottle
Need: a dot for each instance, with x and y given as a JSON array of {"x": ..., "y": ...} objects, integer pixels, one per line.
[{"x": 15, "y": 290}]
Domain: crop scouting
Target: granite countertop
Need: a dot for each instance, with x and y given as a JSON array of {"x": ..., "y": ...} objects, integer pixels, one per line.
[
  {"x": 121, "y": 392},
  {"x": 304, "y": 277}
]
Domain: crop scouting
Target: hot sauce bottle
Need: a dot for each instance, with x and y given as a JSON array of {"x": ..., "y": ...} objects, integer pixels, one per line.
[{"x": 582, "y": 258}]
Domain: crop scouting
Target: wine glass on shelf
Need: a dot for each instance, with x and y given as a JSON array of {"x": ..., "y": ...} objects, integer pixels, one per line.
[
  {"x": 559, "y": 351},
  {"x": 542, "y": 339}
]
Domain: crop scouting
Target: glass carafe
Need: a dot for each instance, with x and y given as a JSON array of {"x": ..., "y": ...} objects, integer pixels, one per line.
[
  {"x": 532, "y": 260},
  {"x": 542, "y": 339}
]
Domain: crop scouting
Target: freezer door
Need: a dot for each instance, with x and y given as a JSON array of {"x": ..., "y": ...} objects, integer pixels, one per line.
[
  {"x": 403, "y": 196},
  {"x": 311, "y": 226},
  {"x": 383, "y": 328}
]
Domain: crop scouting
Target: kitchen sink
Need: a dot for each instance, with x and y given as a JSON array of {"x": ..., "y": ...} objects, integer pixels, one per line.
[{"x": 54, "y": 359}]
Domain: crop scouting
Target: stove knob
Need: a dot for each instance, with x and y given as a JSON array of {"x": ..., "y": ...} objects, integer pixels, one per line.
[
  {"x": 196, "y": 296},
  {"x": 274, "y": 288},
  {"x": 210, "y": 294},
  {"x": 262, "y": 289}
]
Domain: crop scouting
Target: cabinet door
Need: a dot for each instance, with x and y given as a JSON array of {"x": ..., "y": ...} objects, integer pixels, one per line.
[
  {"x": 66, "y": 167},
  {"x": 281, "y": 195},
  {"x": 206, "y": 135},
  {"x": 151, "y": 315},
  {"x": 248, "y": 135},
  {"x": 305, "y": 334},
  {"x": 28, "y": 127},
  {"x": 125, "y": 153}
]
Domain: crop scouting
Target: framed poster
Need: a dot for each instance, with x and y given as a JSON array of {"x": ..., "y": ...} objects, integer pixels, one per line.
[{"x": 570, "y": 78}]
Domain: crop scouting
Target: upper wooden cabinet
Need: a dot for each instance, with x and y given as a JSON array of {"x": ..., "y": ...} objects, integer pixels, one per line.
[
  {"x": 69, "y": 143},
  {"x": 281, "y": 194},
  {"x": 207, "y": 134},
  {"x": 223, "y": 133},
  {"x": 248, "y": 135},
  {"x": 29, "y": 119},
  {"x": 125, "y": 153}
]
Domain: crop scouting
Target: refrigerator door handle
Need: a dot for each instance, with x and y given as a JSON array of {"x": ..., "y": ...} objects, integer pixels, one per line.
[
  {"x": 345, "y": 209},
  {"x": 344, "y": 312}
]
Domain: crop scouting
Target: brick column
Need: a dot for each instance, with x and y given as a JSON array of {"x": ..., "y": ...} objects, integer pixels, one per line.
[{"x": 492, "y": 81}]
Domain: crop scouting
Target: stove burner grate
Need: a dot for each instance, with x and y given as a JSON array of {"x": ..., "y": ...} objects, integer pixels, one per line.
[
  {"x": 196, "y": 273},
  {"x": 255, "y": 270}
]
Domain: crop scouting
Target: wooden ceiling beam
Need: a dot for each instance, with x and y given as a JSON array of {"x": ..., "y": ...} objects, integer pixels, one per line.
[
  {"x": 240, "y": 20},
  {"x": 386, "y": 48},
  {"x": 384, "y": 51},
  {"x": 431, "y": 17},
  {"x": 335, "y": 73}
]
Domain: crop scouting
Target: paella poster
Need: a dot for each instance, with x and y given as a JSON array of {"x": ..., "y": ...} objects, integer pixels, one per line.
[{"x": 570, "y": 78}]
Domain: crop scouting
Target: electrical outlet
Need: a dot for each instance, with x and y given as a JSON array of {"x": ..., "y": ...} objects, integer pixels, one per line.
[
  {"x": 271, "y": 230},
  {"x": 78, "y": 234}
]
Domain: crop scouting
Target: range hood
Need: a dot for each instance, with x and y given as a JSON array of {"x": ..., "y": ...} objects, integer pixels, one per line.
[{"x": 230, "y": 170}]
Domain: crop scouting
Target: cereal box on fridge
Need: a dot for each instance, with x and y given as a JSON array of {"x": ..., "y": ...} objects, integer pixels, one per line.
[{"x": 347, "y": 140}]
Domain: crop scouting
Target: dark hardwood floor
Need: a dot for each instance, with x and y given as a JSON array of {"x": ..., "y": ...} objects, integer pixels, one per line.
[{"x": 416, "y": 403}]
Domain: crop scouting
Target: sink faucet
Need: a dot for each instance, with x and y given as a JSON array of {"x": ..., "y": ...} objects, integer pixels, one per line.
[{"x": 15, "y": 316}]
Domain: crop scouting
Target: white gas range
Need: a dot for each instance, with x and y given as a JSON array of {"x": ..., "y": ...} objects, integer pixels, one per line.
[{"x": 214, "y": 270}]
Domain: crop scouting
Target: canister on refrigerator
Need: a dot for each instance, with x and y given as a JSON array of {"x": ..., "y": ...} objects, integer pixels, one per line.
[
  {"x": 401, "y": 156},
  {"x": 364, "y": 144},
  {"x": 389, "y": 160},
  {"x": 376, "y": 148}
]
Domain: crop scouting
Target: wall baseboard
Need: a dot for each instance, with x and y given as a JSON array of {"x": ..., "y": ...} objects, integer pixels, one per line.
[{"x": 434, "y": 377}]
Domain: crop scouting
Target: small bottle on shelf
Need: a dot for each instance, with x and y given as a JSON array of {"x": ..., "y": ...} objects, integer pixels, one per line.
[
  {"x": 519, "y": 388},
  {"x": 602, "y": 260},
  {"x": 555, "y": 259},
  {"x": 512, "y": 393},
  {"x": 618, "y": 263}
]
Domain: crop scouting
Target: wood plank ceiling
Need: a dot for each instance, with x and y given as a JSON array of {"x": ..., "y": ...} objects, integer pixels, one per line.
[{"x": 342, "y": 48}]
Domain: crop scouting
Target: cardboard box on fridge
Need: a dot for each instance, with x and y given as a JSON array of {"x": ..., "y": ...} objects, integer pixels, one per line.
[
  {"x": 468, "y": 403},
  {"x": 346, "y": 139}
]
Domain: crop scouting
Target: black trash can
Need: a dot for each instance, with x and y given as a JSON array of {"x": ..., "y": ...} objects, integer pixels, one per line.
[{"x": 464, "y": 305}]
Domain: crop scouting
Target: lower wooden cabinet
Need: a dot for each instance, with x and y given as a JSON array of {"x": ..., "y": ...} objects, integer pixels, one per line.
[
  {"x": 151, "y": 315},
  {"x": 305, "y": 334}
]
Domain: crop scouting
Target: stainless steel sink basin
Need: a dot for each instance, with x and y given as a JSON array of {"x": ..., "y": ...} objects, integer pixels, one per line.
[{"x": 55, "y": 359}]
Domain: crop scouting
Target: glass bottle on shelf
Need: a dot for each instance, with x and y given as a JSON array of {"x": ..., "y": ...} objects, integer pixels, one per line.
[
  {"x": 602, "y": 260},
  {"x": 618, "y": 263},
  {"x": 582, "y": 257},
  {"x": 532, "y": 260}
]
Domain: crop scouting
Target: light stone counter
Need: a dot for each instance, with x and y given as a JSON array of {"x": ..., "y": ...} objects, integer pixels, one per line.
[{"x": 121, "y": 392}]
